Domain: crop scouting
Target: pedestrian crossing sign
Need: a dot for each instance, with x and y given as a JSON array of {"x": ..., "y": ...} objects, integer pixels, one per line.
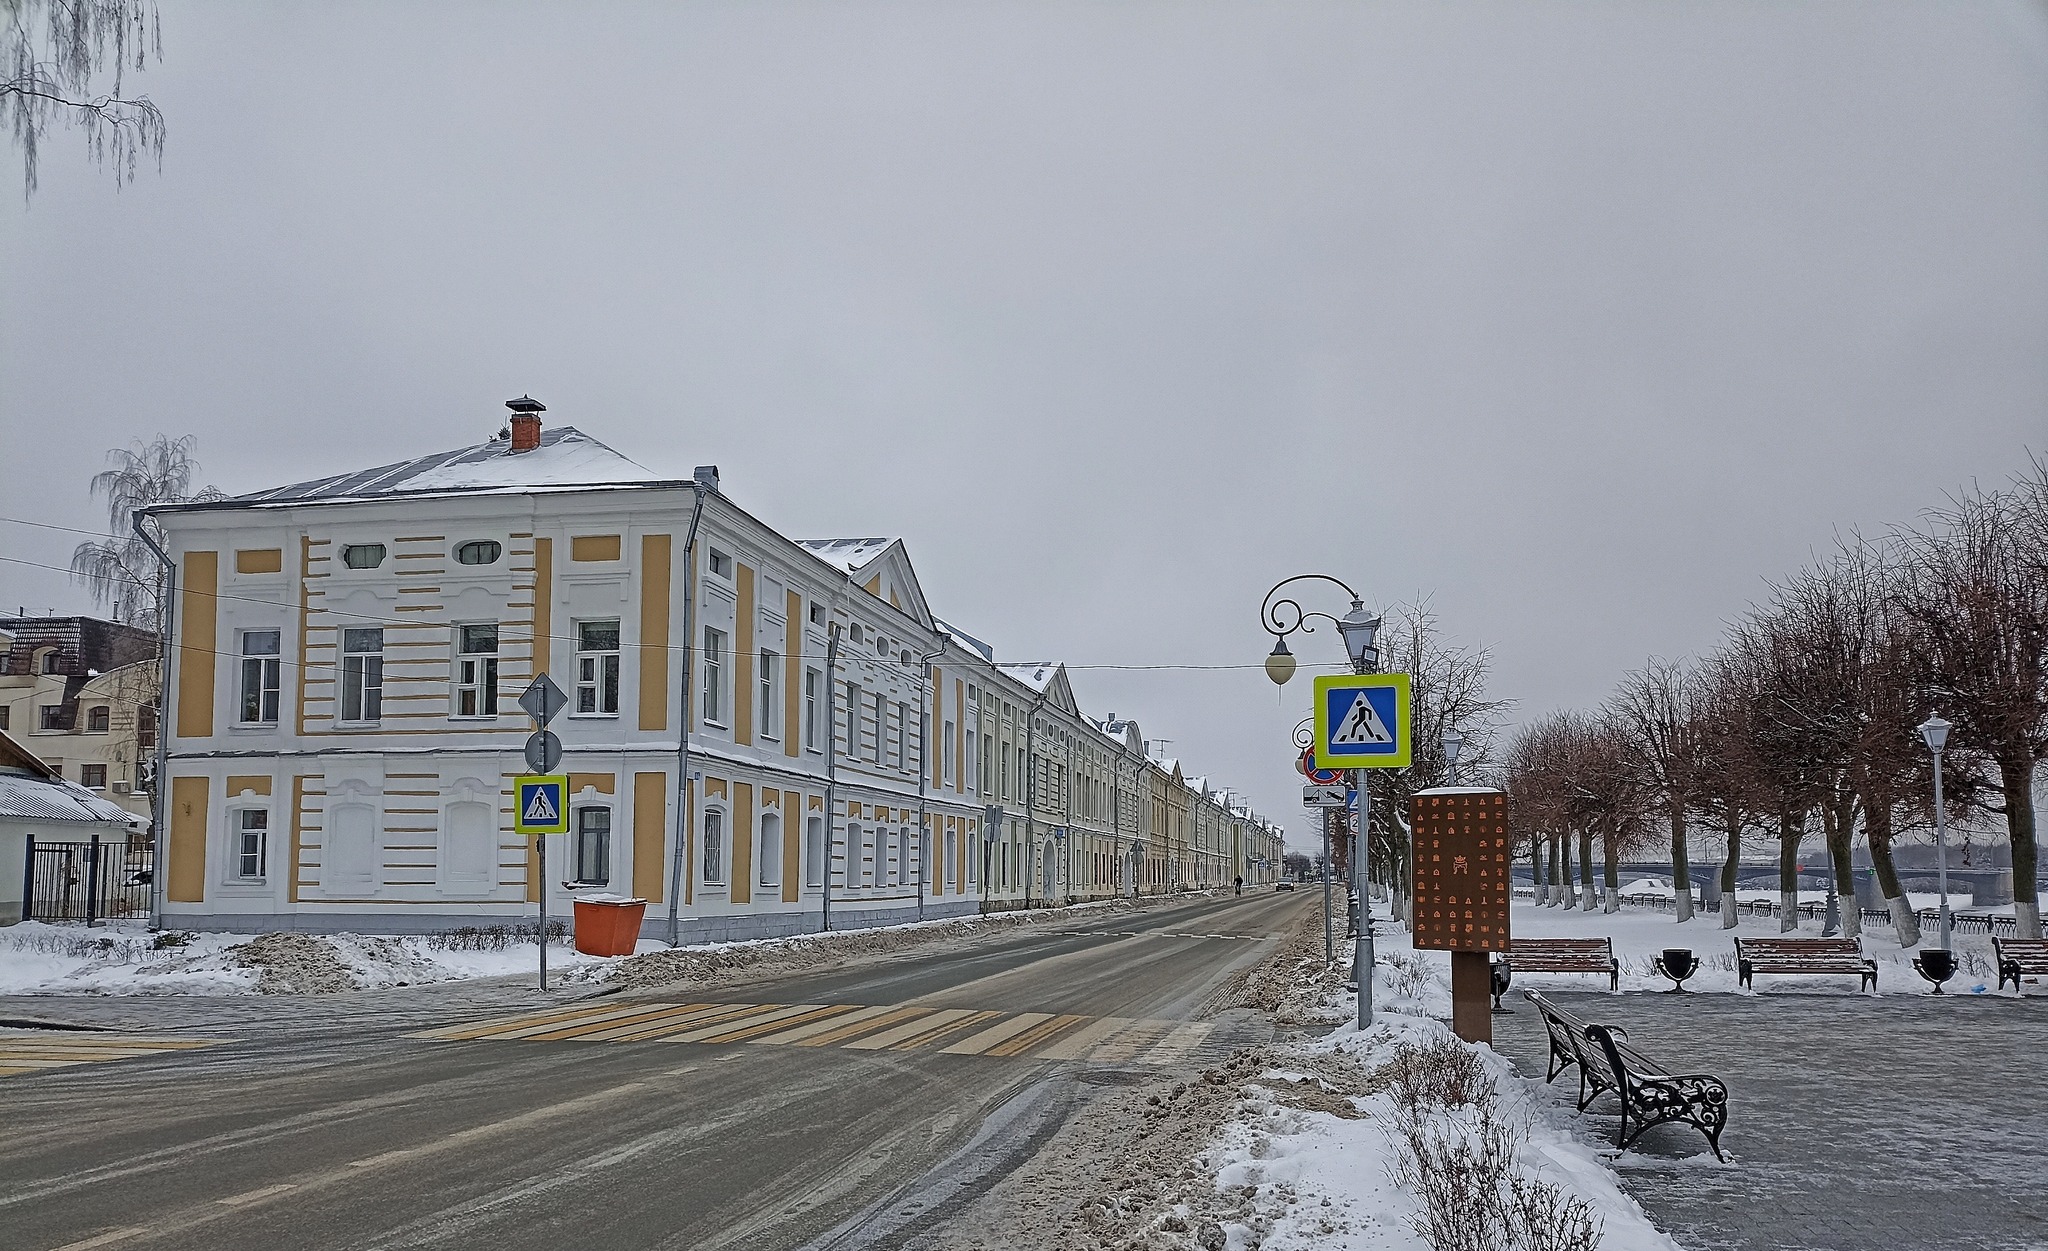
[
  {"x": 1362, "y": 721},
  {"x": 540, "y": 805}
]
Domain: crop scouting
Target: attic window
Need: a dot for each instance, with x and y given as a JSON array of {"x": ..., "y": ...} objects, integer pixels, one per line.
[
  {"x": 721, "y": 564},
  {"x": 817, "y": 614},
  {"x": 363, "y": 555},
  {"x": 479, "y": 552},
  {"x": 856, "y": 632}
]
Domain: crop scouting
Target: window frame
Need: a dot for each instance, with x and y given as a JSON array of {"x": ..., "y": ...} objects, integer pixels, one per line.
[
  {"x": 607, "y": 665},
  {"x": 712, "y": 852},
  {"x": 239, "y": 832},
  {"x": 362, "y": 678},
  {"x": 99, "y": 719},
  {"x": 475, "y": 674},
  {"x": 585, "y": 815},
  {"x": 479, "y": 546},
  {"x": 763, "y": 843},
  {"x": 383, "y": 553},
  {"x": 711, "y": 700},
  {"x": 814, "y": 684},
  {"x": 768, "y": 684},
  {"x": 817, "y": 857},
  {"x": 85, "y": 776},
  {"x": 260, "y": 674}
]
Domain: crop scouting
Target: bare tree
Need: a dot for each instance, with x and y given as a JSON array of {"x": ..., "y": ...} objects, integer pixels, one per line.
[
  {"x": 58, "y": 52},
  {"x": 1976, "y": 595},
  {"x": 1655, "y": 714},
  {"x": 1725, "y": 794},
  {"x": 120, "y": 570}
]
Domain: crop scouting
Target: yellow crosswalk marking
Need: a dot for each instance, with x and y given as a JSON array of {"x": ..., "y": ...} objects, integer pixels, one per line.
[
  {"x": 853, "y": 1027},
  {"x": 38, "y": 1051}
]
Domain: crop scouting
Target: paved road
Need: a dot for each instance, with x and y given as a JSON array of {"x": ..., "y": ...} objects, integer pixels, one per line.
[
  {"x": 850, "y": 1108},
  {"x": 1856, "y": 1123}
]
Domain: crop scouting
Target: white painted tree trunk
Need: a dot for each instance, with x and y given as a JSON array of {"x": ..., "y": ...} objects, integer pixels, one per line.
[
  {"x": 2027, "y": 914},
  {"x": 1684, "y": 901},
  {"x": 1903, "y": 920},
  {"x": 1571, "y": 897},
  {"x": 1728, "y": 917},
  {"x": 1613, "y": 901},
  {"x": 1788, "y": 911},
  {"x": 1852, "y": 917}
]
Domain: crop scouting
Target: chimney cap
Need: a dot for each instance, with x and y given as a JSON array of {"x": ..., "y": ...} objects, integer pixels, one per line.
[{"x": 526, "y": 404}]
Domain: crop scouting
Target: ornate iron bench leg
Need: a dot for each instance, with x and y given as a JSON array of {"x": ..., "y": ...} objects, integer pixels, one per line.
[
  {"x": 1870, "y": 976},
  {"x": 1614, "y": 976},
  {"x": 2009, "y": 970}
]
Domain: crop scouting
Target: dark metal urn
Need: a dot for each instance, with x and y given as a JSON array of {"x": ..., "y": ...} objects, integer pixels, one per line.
[
  {"x": 1677, "y": 963},
  {"x": 1937, "y": 965},
  {"x": 1503, "y": 973}
]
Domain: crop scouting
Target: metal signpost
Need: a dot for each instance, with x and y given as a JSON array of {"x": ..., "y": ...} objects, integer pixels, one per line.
[
  {"x": 541, "y": 799},
  {"x": 1362, "y": 723},
  {"x": 1324, "y": 798}
]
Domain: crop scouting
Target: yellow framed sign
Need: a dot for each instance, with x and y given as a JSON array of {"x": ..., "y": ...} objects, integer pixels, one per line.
[
  {"x": 1362, "y": 721},
  {"x": 540, "y": 803}
]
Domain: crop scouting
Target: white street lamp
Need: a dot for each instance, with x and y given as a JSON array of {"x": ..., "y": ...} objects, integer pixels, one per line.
[
  {"x": 1935, "y": 731},
  {"x": 1453, "y": 742}
]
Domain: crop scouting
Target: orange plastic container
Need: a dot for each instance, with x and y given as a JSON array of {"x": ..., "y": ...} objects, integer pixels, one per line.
[{"x": 608, "y": 926}]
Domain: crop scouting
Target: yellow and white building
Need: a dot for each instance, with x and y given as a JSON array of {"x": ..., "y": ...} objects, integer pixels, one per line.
[{"x": 763, "y": 735}]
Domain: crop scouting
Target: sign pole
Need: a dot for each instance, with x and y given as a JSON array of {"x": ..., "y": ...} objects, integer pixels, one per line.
[
  {"x": 1361, "y": 958},
  {"x": 540, "y": 847},
  {"x": 1329, "y": 946}
]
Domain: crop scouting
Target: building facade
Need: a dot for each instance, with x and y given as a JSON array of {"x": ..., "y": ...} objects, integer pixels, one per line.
[
  {"x": 762, "y": 736},
  {"x": 81, "y": 693}
]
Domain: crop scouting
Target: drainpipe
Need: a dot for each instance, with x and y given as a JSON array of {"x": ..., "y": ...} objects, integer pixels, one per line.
[
  {"x": 1031, "y": 799},
  {"x": 832, "y": 762},
  {"x": 698, "y": 487},
  {"x": 167, "y": 614}
]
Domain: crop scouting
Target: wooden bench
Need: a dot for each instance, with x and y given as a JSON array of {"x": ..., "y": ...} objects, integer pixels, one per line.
[
  {"x": 1650, "y": 1094},
  {"x": 1803, "y": 956},
  {"x": 1565, "y": 955},
  {"x": 2017, "y": 956}
]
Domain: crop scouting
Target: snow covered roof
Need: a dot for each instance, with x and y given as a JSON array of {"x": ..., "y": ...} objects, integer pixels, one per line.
[
  {"x": 27, "y": 798},
  {"x": 966, "y": 640},
  {"x": 1036, "y": 674},
  {"x": 847, "y": 554},
  {"x": 566, "y": 458}
]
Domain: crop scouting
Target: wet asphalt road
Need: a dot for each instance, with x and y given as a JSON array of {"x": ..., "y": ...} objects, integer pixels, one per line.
[{"x": 324, "y": 1123}]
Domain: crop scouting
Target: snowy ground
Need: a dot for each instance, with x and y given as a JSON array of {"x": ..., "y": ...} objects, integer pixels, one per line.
[
  {"x": 1640, "y": 934},
  {"x": 42, "y": 959}
]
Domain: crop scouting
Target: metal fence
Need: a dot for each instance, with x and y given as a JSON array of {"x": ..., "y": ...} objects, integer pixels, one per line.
[
  {"x": 1961, "y": 922},
  {"x": 96, "y": 880}
]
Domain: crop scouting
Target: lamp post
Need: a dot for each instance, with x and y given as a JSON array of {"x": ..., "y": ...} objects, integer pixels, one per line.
[
  {"x": 1935, "y": 731},
  {"x": 1359, "y": 629},
  {"x": 1453, "y": 742}
]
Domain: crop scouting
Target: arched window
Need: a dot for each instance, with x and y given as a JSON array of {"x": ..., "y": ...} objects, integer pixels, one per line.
[
  {"x": 768, "y": 857},
  {"x": 97, "y": 719},
  {"x": 712, "y": 843},
  {"x": 479, "y": 552}
]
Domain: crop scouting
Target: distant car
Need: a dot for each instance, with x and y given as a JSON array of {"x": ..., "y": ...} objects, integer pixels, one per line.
[{"x": 1283, "y": 886}]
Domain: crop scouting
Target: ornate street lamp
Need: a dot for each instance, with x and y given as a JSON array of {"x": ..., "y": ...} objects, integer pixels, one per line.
[
  {"x": 1935, "y": 731},
  {"x": 1359, "y": 629},
  {"x": 1453, "y": 742}
]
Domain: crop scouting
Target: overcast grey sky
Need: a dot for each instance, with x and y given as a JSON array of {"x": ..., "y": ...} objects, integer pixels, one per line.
[{"x": 1580, "y": 319}]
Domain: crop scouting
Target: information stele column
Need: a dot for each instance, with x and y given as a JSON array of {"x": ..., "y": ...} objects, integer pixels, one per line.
[{"x": 1461, "y": 893}]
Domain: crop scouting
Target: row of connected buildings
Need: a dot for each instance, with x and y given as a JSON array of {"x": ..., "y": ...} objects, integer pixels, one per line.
[{"x": 763, "y": 735}]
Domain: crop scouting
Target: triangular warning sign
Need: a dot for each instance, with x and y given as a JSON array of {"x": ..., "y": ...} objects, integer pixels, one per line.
[
  {"x": 540, "y": 807},
  {"x": 1361, "y": 726}
]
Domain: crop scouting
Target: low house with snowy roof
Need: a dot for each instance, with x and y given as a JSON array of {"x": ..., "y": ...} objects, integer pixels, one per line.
[{"x": 38, "y": 803}]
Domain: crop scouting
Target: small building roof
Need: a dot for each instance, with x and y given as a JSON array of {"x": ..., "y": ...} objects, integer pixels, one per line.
[{"x": 963, "y": 638}]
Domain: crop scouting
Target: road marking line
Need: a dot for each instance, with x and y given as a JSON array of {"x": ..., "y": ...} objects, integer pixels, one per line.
[
  {"x": 924, "y": 1024},
  {"x": 261, "y": 1192},
  {"x": 855, "y": 1029},
  {"x": 1078, "y": 1043},
  {"x": 994, "y": 1034},
  {"x": 764, "y": 1021},
  {"x": 1140, "y": 1036},
  {"x": 1038, "y": 1034},
  {"x": 101, "y": 1240},
  {"x": 576, "y": 1029},
  {"x": 681, "y": 1018},
  {"x": 1176, "y": 1044},
  {"x": 850, "y": 1016},
  {"x": 477, "y": 1029},
  {"x": 950, "y": 1030}
]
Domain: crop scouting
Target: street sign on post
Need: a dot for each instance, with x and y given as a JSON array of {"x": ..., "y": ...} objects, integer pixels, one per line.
[
  {"x": 543, "y": 751},
  {"x": 542, "y": 699},
  {"x": 540, "y": 804},
  {"x": 1313, "y": 796},
  {"x": 1362, "y": 721},
  {"x": 1313, "y": 774}
]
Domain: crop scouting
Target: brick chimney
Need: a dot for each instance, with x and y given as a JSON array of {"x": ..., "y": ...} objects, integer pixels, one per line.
[{"x": 526, "y": 413}]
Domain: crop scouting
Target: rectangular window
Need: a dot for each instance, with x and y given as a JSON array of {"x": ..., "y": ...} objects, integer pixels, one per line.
[
  {"x": 721, "y": 564},
  {"x": 593, "y": 846},
  {"x": 855, "y": 706},
  {"x": 814, "y": 851},
  {"x": 93, "y": 777},
  {"x": 597, "y": 668},
  {"x": 814, "y": 685},
  {"x": 476, "y": 671},
  {"x": 770, "y": 719},
  {"x": 362, "y": 673},
  {"x": 881, "y": 724},
  {"x": 714, "y": 676},
  {"x": 898, "y": 715},
  {"x": 259, "y": 677},
  {"x": 714, "y": 847},
  {"x": 4, "y": 717},
  {"x": 988, "y": 749},
  {"x": 252, "y": 835},
  {"x": 50, "y": 717},
  {"x": 946, "y": 753}
]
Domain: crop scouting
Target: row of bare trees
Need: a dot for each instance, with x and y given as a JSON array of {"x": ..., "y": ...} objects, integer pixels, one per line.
[{"x": 1805, "y": 720}]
